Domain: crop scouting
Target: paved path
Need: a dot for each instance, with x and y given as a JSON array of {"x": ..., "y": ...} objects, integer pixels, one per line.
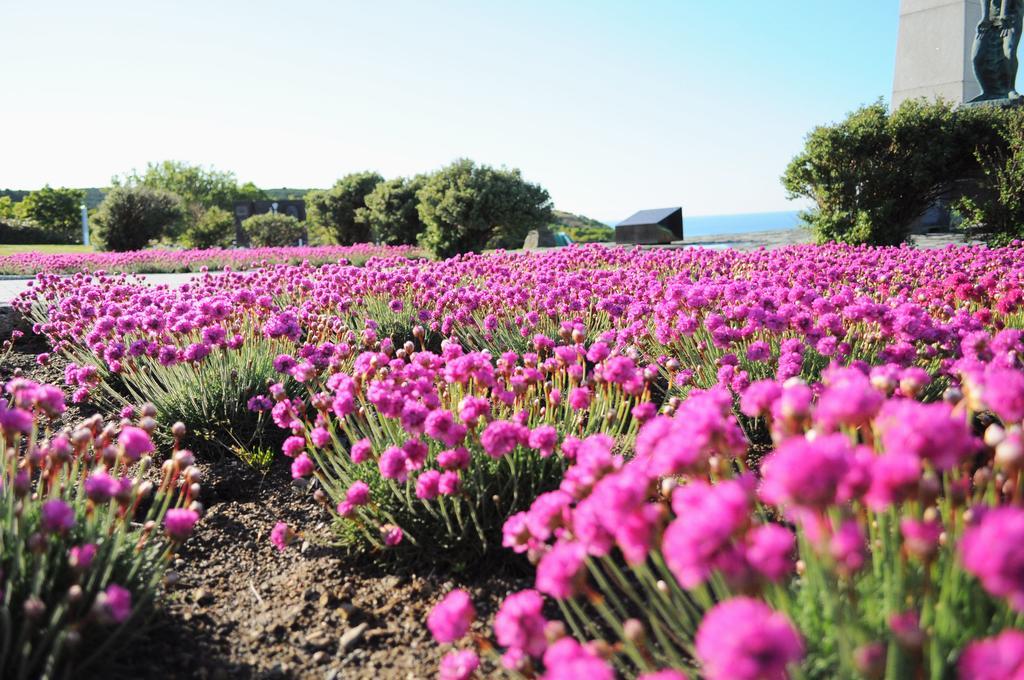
[{"x": 10, "y": 287}]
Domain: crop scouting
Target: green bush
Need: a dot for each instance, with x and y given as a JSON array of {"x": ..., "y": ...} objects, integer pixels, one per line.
[
  {"x": 996, "y": 211},
  {"x": 130, "y": 217},
  {"x": 467, "y": 208},
  {"x": 337, "y": 213},
  {"x": 391, "y": 212},
  {"x": 871, "y": 175},
  {"x": 57, "y": 211},
  {"x": 215, "y": 229},
  {"x": 86, "y": 533},
  {"x": 273, "y": 229}
]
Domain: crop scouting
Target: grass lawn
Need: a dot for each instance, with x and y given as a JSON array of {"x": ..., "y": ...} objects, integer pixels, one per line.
[{"x": 14, "y": 249}]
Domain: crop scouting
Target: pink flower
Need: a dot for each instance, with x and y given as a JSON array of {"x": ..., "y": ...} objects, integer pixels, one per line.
[
  {"x": 928, "y": 431},
  {"x": 501, "y": 437},
  {"x": 392, "y": 464},
  {"x": 544, "y": 439},
  {"x": 293, "y": 446},
  {"x": 281, "y": 535},
  {"x": 57, "y": 516},
  {"x": 994, "y": 658},
  {"x": 567, "y": 659},
  {"x": 920, "y": 537},
  {"x": 560, "y": 570},
  {"x": 320, "y": 436},
  {"x": 135, "y": 442},
  {"x": 758, "y": 398},
  {"x": 743, "y": 639},
  {"x": 458, "y": 665},
  {"x": 449, "y": 483},
  {"x": 453, "y": 459},
  {"x": 114, "y": 604},
  {"x": 770, "y": 550},
  {"x": 427, "y": 485},
  {"x": 80, "y": 557},
  {"x": 1004, "y": 393},
  {"x": 441, "y": 426},
  {"x": 519, "y": 623},
  {"x": 805, "y": 473},
  {"x": 179, "y": 522},
  {"x": 849, "y": 547},
  {"x": 894, "y": 477},
  {"x": 358, "y": 493},
  {"x": 101, "y": 487},
  {"x": 663, "y": 675},
  {"x": 849, "y": 399},
  {"x": 450, "y": 618},
  {"x": 700, "y": 539},
  {"x": 302, "y": 466},
  {"x": 360, "y": 451},
  {"x": 392, "y": 535},
  {"x": 993, "y": 550},
  {"x": 579, "y": 398}
]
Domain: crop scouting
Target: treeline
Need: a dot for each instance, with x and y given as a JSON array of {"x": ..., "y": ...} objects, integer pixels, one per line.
[
  {"x": 874, "y": 174},
  {"x": 463, "y": 207}
]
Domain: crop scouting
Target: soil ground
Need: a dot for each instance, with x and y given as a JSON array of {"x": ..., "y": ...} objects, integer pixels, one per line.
[{"x": 240, "y": 609}]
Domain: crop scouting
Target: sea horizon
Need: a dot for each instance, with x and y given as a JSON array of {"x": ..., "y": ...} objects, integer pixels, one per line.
[{"x": 738, "y": 223}]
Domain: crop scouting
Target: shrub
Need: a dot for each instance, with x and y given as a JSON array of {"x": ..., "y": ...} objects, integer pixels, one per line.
[
  {"x": 467, "y": 208},
  {"x": 391, "y": 211},
  {"x": 871, "y": 175},
  {"x": 215, "y": 229},
  {"x": 427, "y": 450},
  {"x": 57, "y": 211},
  {"x": 130, "y": 218},
  {"x": 996, "y": 212},
  {"x": 273, "y": 230},
  {"x": 337, "y": 212},
  {"x": 905, "y": 530},
  {"x": 85, "y": 539}
]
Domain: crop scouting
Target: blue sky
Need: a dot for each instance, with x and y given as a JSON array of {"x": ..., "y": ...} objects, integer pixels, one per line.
[{"x": 612, "y": 106}]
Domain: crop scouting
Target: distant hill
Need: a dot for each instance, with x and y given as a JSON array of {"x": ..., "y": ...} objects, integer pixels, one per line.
[{"x": 580, "y": 228}]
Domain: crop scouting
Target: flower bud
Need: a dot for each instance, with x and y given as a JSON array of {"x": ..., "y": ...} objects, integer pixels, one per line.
[
  {"x": 994, "y": 435},
  {"x": 34, "y": 608},
  {"x": 869, "y": 660},
  {"x": 148, "y": 424},
  {"x": 1009, "y": 452},
  {"x": 178, "y": 430},
  {"x": 633, "y": 630},
  {"x": 554, "y": 631},
  {"x": 75, "y": 594},
  {"x": 184, "y": 458},
  {"x": 148, "y": 410}
]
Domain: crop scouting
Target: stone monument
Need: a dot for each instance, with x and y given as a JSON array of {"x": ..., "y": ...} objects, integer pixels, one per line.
[{"x": 958, "y": 50}]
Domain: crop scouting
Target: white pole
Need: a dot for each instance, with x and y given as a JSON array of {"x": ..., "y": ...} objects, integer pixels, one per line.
[{"x": 85, "y": 225}]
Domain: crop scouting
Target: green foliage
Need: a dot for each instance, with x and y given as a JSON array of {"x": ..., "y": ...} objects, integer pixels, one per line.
[
  {"x": 58, "y": 610},
  {"x": 273, "y": 229},
  {"x": 130, "y": 217},
  {"x": 391, "y": 211},
  {"x": 996, "y": 212},
  {"x": 6, "y": 208},
  {"x": 467, "y": 208},
  {"x": 871, "y": 175},
  {"x": 58, "y": 211},
  {"x": 581, "y": 229},
  {"x": 193, "y": 183},
  {"x": 215, "y": 229},
  {"x": 336, "y": 213}
]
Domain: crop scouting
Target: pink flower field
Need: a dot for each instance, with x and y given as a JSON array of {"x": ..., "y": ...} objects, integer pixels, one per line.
[{"x": 614, "y": 463}]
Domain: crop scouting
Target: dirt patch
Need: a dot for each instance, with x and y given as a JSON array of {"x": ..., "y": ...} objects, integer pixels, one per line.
[{"x": 241, "y": 609}]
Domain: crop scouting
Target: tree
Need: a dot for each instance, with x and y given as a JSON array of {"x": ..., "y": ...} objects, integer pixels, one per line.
[
  {"x": 57, "y": 211},
  {"x": 215, "y": 229},
  {"x": 996, "y": 211},
  {"x": 130, "y": 217},
  {"x": 273, "y": 229},
  {"x": 871, "y": 175},
  {"x": 466, "y": 208},
  {"x": 391, "y": 211},
  {"x": 335, "y": 212},
  {"x": 6, "y": 208}
]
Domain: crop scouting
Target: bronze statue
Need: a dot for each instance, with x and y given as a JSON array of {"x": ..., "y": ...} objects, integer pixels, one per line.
[{"x": 995, "y": 49}]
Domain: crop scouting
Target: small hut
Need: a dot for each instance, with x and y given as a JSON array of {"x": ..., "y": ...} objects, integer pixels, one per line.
[{"x": 661, "y": 225}]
